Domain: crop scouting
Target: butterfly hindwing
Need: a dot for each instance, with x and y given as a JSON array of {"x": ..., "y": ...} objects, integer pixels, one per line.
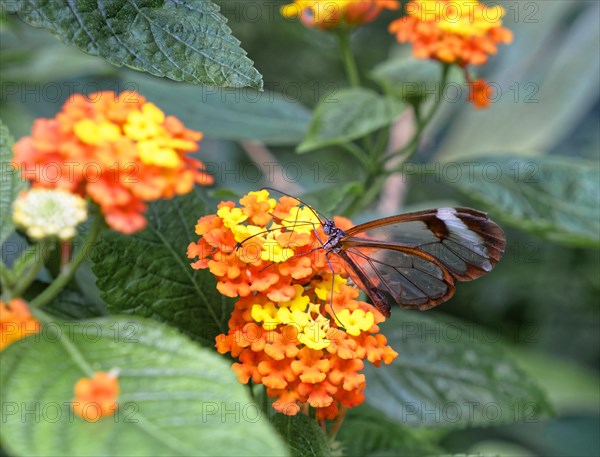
[{"x": 406, "y": 277}]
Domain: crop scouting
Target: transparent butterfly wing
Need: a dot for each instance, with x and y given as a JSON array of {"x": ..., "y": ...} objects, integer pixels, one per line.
[{"x": 414, "y": 259}]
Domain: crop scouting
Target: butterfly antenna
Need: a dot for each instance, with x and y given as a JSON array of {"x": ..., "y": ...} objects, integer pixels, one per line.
[
  {"x": 239, "y": 244},
  {"x": 319, "y": 215},
  {"x": 321, "y": 218}
]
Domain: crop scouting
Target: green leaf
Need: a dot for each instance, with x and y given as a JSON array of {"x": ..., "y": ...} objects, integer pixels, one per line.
[
  {"x": 149, "y": 274},
  {"x": 11, "y": 183},
  {"x": 484, "y": 454},
  {"x": 447, "y": 375},
  {"x": 175, "y": 399},
  {"x": 224, "y": 193},
  {"x": 184, "y": 40},
  {"x": 227, "y": 114},
  {"x": 329, "y": 199},
  {"x": 352, "y": 114},
  {"x": 71, "y": 304},
  {"x": 303, "y": 435},
  {"x": 409, "y": 78},
  {"x": 554, "y": 197},
  {"x": 572, "y": 388},
  {"x": 27, "y": 55},
  {"x": 367, "y": 432}
]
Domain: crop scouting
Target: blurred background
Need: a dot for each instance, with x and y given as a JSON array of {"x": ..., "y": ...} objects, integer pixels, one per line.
[{"x": 542, "y": 299}]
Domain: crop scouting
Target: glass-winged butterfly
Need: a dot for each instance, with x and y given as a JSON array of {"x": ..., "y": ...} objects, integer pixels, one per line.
[{"x": 414, "y": 259}]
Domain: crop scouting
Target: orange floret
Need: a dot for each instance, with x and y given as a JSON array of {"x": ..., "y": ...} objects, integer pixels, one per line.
[
  {"x": 480, "y": 93},
  {"x": 16, "y": 322},
  {"x": 96, "y": 397}
]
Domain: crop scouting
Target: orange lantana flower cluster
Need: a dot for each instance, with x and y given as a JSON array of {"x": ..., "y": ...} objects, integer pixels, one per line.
[
  {"x": 96, "y": 397},
  {"x": 460, "y": 32},
  {"x": 298, "y": 326},
  {"x": 330, "y": 14},
  {"x": 118, "y": 150},
  {"x": 16, "y": 322}
]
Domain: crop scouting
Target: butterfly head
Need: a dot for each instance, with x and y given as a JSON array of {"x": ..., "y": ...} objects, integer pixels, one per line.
[{"x": 329, "y": 227}]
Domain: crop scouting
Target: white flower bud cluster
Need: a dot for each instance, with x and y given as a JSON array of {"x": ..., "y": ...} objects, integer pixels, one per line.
[{"x": 45, "y": 213}]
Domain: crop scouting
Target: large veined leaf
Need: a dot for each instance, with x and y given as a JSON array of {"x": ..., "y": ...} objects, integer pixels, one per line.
[
  {"x": 347, "y": 116},
  {"x": 149, "y": 274},
  {"x": 184, "y": 40},
  {"x": 176, "y": 398},
  {"x": 555, "y": 197},
  {"x": 244, "y": 114},
  {"x": 304, "y": 437},
  {"x": 11, "y": 183},
  {"x": 447, "y": 375}
]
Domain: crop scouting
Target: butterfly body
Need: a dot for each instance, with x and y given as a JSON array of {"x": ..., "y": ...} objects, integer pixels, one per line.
[
  {"x": 334, "y": 237},
  {"x": 414, "y": 259}
]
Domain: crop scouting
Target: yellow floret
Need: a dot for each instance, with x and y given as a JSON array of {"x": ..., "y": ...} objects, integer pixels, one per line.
[
  {"x": 91, "y": 132},
  {"x": 355, "y": 322},
  {"x": 151, "y": 153}
]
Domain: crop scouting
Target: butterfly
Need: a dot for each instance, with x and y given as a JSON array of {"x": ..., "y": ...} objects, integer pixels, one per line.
[{"x": 414, "y": 259}]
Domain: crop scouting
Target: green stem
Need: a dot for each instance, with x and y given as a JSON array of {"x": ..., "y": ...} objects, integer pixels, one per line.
[
  {"x": 348, "y": 58},
  {"x": 374, "y": 185},
  {"x": 358, "y": 153},
  {"x": 338, "y": 422},
  {"x": 33, "y": 270},
  {"x": 382, "y": 142},
  {"x": 7, "y": 280},
  {"x": 422, "y": 122},
  {"x": 64, "y": 277},
  {"x": 65, "y": 341}
]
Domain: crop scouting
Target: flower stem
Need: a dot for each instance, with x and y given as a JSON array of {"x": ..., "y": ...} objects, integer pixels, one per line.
[
  {"x": 32, "y": 272},
  {"x": 358, "y": 153},
  {"x": 338, "y": 422},
  {"x": 65, "y": 276},
  {"x": 422, "y": 122},
  {"x": 373, "y": 188},
  {"x": 348, "y": 58},
  {"x": 65, "y": 341}
]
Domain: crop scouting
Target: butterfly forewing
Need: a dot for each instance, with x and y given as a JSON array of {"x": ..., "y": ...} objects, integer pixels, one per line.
[
  {"x": 413, "y": 259},
  {"x": 465, "y": 241}
]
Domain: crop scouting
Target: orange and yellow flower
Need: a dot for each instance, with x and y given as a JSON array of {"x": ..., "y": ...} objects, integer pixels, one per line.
[
  {"x": 329, "y": 14},
  {"x": 96, "y": 397},
  {"x": 462, "y": 32},
  {"x": 16, "y": 322},
  {"x": 297, "y": 326},
  {"x": 118, "y": 150}
]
